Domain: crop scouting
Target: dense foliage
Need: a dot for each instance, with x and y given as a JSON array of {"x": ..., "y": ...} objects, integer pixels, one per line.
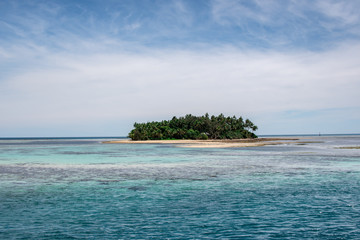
[{"x": 193, "y": 127}]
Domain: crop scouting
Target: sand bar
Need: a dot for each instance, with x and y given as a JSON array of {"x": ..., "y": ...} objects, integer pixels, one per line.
[{"x": 234, "y": 143}]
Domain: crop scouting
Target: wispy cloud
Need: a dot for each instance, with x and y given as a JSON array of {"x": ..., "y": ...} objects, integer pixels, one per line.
[
  {"x": 344, "y": 12},
  {"x": 309, "y": 24}
]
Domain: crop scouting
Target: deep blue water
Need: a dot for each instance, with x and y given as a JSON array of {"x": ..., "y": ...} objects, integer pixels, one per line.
[{"x": 83, "y": 189}]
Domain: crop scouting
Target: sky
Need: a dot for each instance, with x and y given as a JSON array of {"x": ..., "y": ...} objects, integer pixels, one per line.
[{"x": 93, "y": 68}]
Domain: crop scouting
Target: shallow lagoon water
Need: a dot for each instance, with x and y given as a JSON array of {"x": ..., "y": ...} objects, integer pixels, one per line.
[{"x": 83, "y": 189}]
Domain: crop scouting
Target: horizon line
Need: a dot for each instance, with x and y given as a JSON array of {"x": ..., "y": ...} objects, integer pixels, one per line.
[{"x": 260, "y": 135}]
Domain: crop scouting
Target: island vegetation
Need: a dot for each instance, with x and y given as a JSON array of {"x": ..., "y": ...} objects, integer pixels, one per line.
[{"x": 195, "y": 127}]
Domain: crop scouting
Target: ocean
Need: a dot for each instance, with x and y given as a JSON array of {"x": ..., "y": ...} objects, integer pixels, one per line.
[{"x": 80, "y": 188}]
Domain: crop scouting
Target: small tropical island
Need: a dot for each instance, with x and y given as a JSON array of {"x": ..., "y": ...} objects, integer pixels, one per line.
[
  {"x": 200, "y": 132},
  {"x": 195, "y": 128}
]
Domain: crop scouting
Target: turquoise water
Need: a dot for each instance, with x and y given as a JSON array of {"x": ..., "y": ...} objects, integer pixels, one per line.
[{"x": 83, "y": 189}]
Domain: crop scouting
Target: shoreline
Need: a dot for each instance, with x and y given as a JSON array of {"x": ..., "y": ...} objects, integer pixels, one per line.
[{"x": 212, "y": 143}]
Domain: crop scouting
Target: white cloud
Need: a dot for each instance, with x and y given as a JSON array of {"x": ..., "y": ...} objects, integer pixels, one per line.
[
  {"x": 132, "y": 26},
  {"x": 288, "y": 22},
  {"x": 100, "y": 87},
  {"x": 345, "y": 11},
  {"x": 271, "y": 12}
]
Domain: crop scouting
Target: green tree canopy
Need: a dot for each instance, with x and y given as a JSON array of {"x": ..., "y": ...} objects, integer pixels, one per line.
[{"x": 193, "y": 127}]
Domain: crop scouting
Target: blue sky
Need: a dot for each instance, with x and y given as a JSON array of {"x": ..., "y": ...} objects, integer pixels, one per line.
[{"x": 92, "y": 68}]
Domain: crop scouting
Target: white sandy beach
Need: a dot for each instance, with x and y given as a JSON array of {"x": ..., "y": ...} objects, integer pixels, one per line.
[{"x": 235, "y": 143}]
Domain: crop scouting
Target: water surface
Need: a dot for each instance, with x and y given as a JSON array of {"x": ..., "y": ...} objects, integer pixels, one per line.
[{"x": 83, "y": 189}]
